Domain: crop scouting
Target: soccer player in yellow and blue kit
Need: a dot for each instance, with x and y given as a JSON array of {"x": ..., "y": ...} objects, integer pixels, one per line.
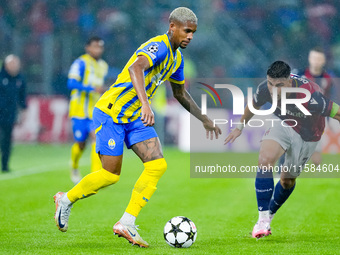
[
  {"x": 85, "y": 80},
  {"x": 123, "y": 114}
]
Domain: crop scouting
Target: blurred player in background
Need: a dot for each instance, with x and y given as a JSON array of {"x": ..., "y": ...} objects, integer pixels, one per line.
[
  {"x": 123, "y": 114},
  {"x": 315, "y": 72},
  {"x": 85, "y": 80},
  {"x": 297, "y": 142},
  {"x": 12, "y": 95}
]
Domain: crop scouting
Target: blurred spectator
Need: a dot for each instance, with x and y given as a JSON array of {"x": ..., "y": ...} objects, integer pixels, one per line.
[
  {"x": 12, "y": 95},
  {"x": 241, "y": 31}
]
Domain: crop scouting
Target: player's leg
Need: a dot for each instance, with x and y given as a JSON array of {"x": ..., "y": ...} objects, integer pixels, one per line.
[
  {"x": 270, "y": 152},
  {"x": 274, "y": 143},
  {"x": 150, "y": 152},
  {"x": 6, "y": 144},
  {"x": 283, "y": 190},
  {"x": 110, "y": 139},
  {"x": 297, "y": 155},
  {"x": 76, "y": 152},
  {"x": 88, "y": 186},
  {"x": 317, "y": 157},
  {"x": 145, "y": 143},
  {"x": 80, "y": 134},
  {"x": 95, "y": 160}
]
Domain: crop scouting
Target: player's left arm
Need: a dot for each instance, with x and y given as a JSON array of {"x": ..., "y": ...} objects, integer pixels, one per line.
[
  {"x": 335, "y": 112},
  {"x": 185, "y": 99},
  {"x": 324, "y": 106}
]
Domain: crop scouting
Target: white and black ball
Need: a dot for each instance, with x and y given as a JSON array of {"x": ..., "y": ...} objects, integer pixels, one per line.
[{"x": 180, "y": 232}]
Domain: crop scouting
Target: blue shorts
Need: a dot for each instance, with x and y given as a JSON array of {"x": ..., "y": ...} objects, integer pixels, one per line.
[
  {"x": 110, "y": 136},
  {"x": 81, "y": 129}
]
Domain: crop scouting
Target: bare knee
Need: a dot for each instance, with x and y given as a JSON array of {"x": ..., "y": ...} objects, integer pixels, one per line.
[
  {"x": 266, "y": 160},
  {"x": 113, "y": 164},
  {"x": 316, "y": 158},
  {"x": 287, "y": 183},
  {"x": 81, "y": 145}
]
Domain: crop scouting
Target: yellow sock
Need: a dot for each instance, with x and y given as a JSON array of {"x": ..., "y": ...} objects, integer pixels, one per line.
[
  {"x": 91, "y": 183},
  {"x": 95, "y": 160},
  {"x": 76, "y": 153},
  {"x": 146, "y": 185}
]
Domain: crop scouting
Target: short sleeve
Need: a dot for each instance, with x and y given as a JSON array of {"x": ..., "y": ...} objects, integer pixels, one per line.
[
  {"x": 178, "y": 75},
  {"x": 154, "y": 51},
  {"x": 77, "y": 70},
  {"x": 262, "y": 95}
]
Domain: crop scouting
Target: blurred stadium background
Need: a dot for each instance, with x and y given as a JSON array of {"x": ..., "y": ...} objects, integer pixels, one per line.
[{"x": 235, "y": 39}]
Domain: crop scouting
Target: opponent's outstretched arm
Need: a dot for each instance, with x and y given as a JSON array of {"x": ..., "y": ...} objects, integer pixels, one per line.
[
  {"x": 184, "y": 98},
  {"x": 236, "y": 132}
]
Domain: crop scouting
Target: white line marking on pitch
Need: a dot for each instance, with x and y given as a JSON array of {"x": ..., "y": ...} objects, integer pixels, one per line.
[{"x": 31, "y": 171}]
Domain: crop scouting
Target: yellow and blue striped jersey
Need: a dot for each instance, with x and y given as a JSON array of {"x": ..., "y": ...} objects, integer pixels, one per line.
[
  {"x": 84, "y": 76},
  {"x": 121, "y": 101}
]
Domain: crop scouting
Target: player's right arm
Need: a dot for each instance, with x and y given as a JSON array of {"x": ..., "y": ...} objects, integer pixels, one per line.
[
  {"x": 136, "y": 71},
  {"x": 236, "y": 132}
]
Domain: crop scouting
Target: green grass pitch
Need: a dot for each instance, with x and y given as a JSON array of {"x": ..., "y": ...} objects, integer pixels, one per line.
[{"x": 224, "y": 210}]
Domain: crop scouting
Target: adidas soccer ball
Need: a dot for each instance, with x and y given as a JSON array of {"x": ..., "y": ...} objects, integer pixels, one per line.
[{"x": 180, "y": 232}]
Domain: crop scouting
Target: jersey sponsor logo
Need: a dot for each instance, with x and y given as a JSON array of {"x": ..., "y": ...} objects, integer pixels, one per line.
[
  {"x": 112, "y": 144},
  {"x": 299, "y": 78},
  {"x": 294, "y": 113}
]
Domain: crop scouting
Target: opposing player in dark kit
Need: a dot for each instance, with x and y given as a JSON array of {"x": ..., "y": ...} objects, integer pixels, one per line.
[{"x": 298, "y": 140}]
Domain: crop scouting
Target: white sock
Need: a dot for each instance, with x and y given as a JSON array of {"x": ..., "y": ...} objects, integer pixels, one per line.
[
  {"x": 264, "y": 215},
  {"x": 128, "y": 219},
  {"x": 65, "y": 200}
]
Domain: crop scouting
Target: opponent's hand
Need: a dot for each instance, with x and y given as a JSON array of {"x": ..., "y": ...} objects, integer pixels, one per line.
[
  {"x": 211, "y": 129},
  {"x": 148, "y": 118},
  {"x": 232, "y": 136}
]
